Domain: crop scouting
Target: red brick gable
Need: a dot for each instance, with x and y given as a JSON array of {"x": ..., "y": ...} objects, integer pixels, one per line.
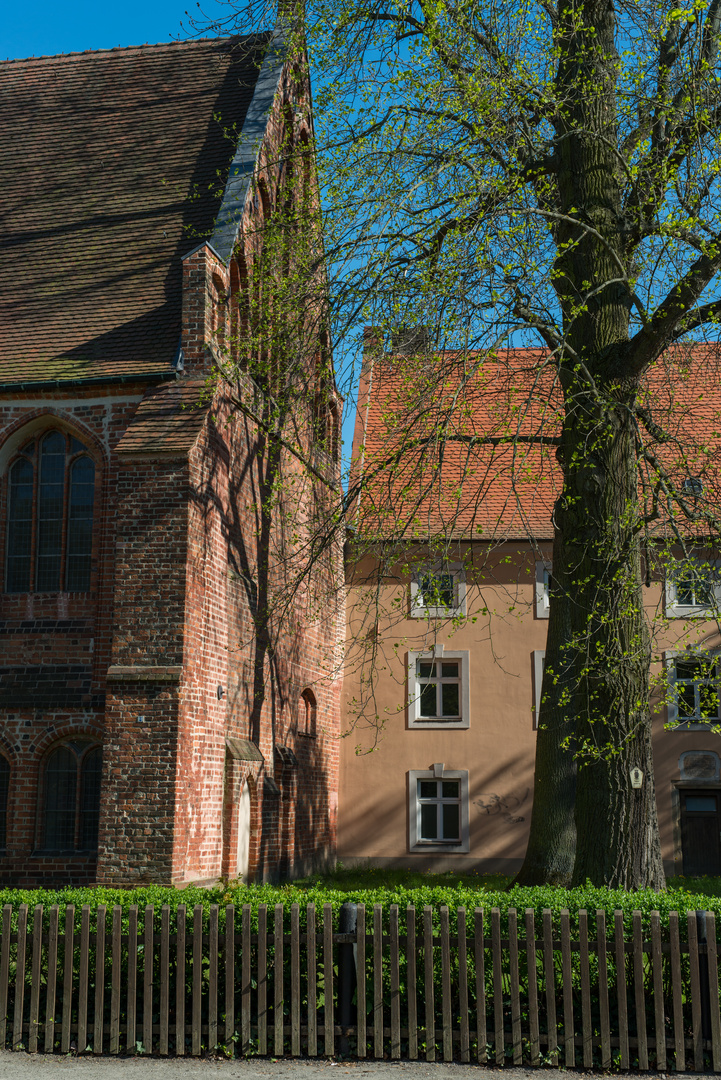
[
  {"x": 182, "y": 657},
  {"x": 112, "y": 167}
]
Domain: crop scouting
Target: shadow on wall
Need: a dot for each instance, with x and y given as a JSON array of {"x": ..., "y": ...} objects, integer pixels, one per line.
[
  {"x": 499, "y": 812},
  {"x": 248, "y": 545}
]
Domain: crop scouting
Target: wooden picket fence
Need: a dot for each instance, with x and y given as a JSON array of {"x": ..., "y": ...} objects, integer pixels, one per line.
[{"x": 480, "y": 987}]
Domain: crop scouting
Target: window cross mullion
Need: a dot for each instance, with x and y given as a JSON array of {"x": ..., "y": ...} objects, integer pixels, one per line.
[
  {"x": 34, "y": 527},
  {"x": 66, "y": 513}
]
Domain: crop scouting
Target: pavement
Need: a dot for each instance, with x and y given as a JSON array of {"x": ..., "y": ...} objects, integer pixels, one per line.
[{"x": 23, "y": 1066}]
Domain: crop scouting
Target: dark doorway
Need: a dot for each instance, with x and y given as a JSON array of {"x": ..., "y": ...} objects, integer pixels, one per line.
[{"x": 700, "y": 832}]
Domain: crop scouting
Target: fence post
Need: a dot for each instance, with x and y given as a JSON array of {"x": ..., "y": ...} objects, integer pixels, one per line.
[
  {"x": 347, "y": 924},
  {"x": 704, "y": 996}
]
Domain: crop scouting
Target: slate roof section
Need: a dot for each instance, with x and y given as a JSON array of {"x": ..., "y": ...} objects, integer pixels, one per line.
[
  {"x": 242, "y": 168},
  {"x": 113, "y": 166},
  {"x": 436, "y": 461},
  {"x": 167, "y": 421}
]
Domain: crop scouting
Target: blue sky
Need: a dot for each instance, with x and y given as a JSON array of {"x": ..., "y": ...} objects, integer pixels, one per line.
[{"x": 44, "y": 28}]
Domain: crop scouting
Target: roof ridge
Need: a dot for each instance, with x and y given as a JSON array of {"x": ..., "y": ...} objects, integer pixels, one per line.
[{"x": 146, "y": 46}]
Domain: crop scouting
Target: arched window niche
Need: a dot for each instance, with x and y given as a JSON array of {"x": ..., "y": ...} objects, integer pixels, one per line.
[
  {"x": 71, "y": 797},
  {"x": 307, "y": 713},
  {"x": 239, "y": 311},
  {"x": 326, "y": 426},
  {"x": 51, "y": 496}
]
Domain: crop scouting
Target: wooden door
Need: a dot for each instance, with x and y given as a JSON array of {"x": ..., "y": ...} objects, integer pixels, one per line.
[{"x": 700, "y": 832}]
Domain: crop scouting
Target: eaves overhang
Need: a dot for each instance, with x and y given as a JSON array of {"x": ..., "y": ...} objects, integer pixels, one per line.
[{"x": 26, "y": 385}]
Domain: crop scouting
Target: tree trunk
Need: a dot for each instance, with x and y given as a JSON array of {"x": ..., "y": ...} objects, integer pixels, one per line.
[
  {"x": 604, "y": 653},
  {"x": 552, "y": 840},
  {"x": 616, "y": 825}
]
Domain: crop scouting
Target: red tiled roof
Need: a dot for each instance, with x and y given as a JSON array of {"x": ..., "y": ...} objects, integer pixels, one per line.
[
  {"x": 112, "y": 165},
  {"x": 436, "y": 459}
]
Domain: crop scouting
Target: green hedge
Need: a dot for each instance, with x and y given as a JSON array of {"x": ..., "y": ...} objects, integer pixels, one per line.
[{"x": 682, "y": 896}]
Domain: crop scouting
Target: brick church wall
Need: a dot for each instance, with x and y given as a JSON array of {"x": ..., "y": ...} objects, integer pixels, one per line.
[
  {"x": 221, "y": 650},
  {"x": 169, "y": 616},
  {"x": 173, "y": 613},
  {"x": 55, "y": 647},
  {"x": 138, "y": 829}
]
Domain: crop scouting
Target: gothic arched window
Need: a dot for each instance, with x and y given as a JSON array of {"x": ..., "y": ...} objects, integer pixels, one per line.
[
  {"x": 51, "y": 492},
  {"x": 72, "y": 797}
]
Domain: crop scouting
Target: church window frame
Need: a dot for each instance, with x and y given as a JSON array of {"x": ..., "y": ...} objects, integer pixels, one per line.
[
  {"x": 51, "y": 500},
  {"x": 71, "y": 782}
]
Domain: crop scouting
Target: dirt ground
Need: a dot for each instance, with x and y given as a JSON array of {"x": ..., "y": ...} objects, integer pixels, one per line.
[{"x": 22, "y": 1066}]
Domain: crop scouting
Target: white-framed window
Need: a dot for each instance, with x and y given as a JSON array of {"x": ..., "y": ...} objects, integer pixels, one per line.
[
  {"x": 539, "y": 662},
  {"x": 438, "y": 809},
  {"x": 438, "y": 591},
  {"x": 438, "y": 690},
  {"x": 693, "y": 684},
  {"x": 693, "y": 589},
  {"x": 543, "y": 589}
]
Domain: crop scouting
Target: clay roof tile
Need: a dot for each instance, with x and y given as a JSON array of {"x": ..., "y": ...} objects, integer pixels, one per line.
[{"x": 112, "y": 166}]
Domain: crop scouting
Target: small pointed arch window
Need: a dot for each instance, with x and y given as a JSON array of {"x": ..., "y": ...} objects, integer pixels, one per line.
[
  {"x": 239, "y": 311},
  {"x": 264, "y": 199},
  {"x": 333, "y": 421},
  {"x": 72, "y": 797},
  {"x": 305, "y": 151},
  {"x": 51, "y": 497},
  {"x": 218, "y": 311},
  {"x": 308, "y": 713},
  {"x": 326, "y": 425}
]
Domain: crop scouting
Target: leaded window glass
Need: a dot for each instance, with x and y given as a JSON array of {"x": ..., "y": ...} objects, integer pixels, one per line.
[
  {"x": 80, "y": 524},
  {"x": 72, "y": 797},
  {"x": 50, "y": 511},
  {"x": 51, "y": 494},
  {"x": 20, "y": 525},
  {"x": 61, "y": 781}
]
